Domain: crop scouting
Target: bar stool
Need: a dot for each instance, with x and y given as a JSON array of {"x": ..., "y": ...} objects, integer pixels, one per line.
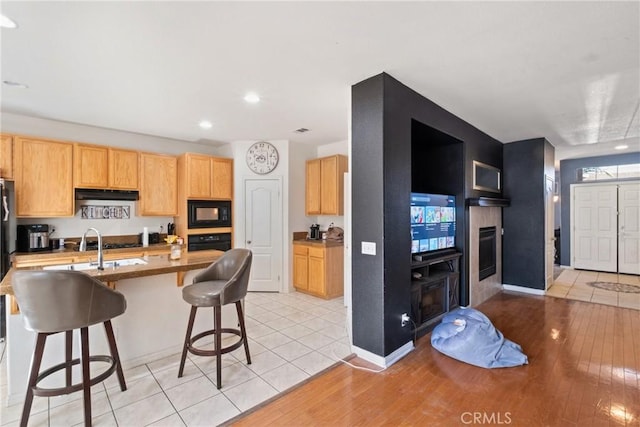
[
  {"x": 223, "y": 282},
  {"x": 61, "y": 301}
]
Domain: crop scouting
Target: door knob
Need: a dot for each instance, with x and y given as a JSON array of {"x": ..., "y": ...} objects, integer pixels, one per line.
[{"x": 248, "y": 242}]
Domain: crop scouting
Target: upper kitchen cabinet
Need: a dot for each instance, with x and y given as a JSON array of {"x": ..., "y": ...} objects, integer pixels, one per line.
[
  {"x": 6, "y": 156},
  {"x": 123, "y": 169},
  {"x": 158, "y": 185},
  {"x": 106, "y": 168},
  {"x": 324, "y": 186},
  {"x": 44, "y": 178},
  {"x": 206, "y": 177}
]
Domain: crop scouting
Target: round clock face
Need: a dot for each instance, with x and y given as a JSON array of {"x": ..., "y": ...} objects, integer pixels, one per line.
[{"x": 262, "y": 157}]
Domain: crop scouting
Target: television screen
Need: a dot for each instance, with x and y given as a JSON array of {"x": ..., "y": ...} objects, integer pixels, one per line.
[{"x": 433, "y": 222}]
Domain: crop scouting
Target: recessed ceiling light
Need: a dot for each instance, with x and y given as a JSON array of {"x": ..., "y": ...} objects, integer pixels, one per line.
[
  {"x": 621, "y": 147},
  {"x": 6, "y": 22},
  {"x": 205, "y": 124},
  {"x": 15, "y": 84},
  {"x": 252, "y": 98}
]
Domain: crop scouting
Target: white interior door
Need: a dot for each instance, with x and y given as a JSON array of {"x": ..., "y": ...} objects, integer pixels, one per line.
[
  {"x": 595, "y": 227},
  {"x": 263, "y": 233},
  {"x": 629, "y": 228},
  {"x": 549, "y": 236}
]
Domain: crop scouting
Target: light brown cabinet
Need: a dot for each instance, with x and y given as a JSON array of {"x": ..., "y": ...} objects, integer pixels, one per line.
[
  {"x": 324, "y": 185},
  {"x": 6, "y": 156},
  {"x": 318, "y": 269},
  {"x": 206, "y": 177},
  {"x": 44, "y": 178},
  {"x": 105, "y": 168},
  {"x": 158, "y": 185}
]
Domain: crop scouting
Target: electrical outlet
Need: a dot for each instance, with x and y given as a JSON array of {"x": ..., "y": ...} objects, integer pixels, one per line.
[{"x": 405, "y": 319}]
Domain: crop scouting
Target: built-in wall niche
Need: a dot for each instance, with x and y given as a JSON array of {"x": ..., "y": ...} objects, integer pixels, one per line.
[
  {"x": 486, "y": 177},
  {"x": 437, "y": 161}
]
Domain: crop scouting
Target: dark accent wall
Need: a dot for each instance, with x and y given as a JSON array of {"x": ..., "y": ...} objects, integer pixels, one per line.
[
  {"x": 523, "y": 244},
  {"x": 382, "y": 113},
  {"x": 568, "y": 176}
]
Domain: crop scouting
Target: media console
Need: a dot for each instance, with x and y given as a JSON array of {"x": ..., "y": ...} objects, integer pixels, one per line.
[{"x": 435, "y": 288}]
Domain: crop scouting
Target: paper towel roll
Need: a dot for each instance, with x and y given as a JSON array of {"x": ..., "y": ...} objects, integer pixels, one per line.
[{"x": 145, "y": 236}]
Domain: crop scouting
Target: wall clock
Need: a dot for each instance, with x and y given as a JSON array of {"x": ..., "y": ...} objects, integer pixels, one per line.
[{"x": 262, "y": 157}]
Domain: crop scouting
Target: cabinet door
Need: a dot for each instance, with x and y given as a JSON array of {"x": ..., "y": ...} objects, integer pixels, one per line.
[
  {"x": 158, "y": 185},
  {"x": 90, "y": 166},
  {"x": 199, "y": 178},
  {"x": 123, "y": 169},
  {"x": 222, "y": 171},
  {"x": 6, "y": 156},
  {"x": 44, "y": 178},
  {"x": 329, "y": 185},
  {"x": 300, "y": 267},
  {"x": 313, "y": 196},
  {"x": 316, "y": 271}
]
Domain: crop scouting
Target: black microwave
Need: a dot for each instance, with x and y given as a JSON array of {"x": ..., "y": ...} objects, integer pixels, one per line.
[{"x": 209, "y": 213}]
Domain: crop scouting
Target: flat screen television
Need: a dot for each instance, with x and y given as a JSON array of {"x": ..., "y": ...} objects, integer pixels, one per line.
[{"x": 433, "y": 222}]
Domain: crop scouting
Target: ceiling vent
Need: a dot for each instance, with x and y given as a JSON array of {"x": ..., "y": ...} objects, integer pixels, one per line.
[{"x": 302, "y": 130}]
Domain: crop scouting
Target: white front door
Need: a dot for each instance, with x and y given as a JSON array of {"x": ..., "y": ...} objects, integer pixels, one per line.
[
  {"x": 629, "y": 228},
  {"x": 263, "y": 233},
  {"x": 595, "y": 227},
  {"x": 549, "y": 235}
]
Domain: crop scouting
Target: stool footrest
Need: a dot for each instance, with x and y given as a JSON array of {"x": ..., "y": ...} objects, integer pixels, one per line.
[
  {"x": 223, "y": 350},
  {"x": 48, "y": 392}
]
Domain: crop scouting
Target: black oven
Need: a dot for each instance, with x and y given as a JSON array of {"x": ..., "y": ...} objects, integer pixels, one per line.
[
  {"x": 209, "y": 213},
  {"x": 203, "y": 242}
]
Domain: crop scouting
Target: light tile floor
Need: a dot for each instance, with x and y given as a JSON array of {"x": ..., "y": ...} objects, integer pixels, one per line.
[
  {"x": 291, "y": 337},
  {"x": 572, "y": 284}
]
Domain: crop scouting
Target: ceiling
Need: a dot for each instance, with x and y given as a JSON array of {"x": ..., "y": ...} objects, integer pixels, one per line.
[{"x": 567, "y": 71}]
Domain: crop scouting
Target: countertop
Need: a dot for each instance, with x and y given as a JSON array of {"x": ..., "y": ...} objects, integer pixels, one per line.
[
  {"x": 68, "y": 252},
  {"x": 156, "y": 264},
  {"x": 320, "y": 243}
]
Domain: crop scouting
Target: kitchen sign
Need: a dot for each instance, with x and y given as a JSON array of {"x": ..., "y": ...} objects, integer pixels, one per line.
[{"x": 105, "y": 212}]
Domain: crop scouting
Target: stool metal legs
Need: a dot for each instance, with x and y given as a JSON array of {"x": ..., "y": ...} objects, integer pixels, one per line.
[
  {"x": 36, "y": 376},
  {"x": 218, "y": 330}
]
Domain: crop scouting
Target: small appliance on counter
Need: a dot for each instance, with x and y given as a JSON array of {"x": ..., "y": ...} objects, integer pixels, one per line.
[
  {"x": 314, "y": 232},
  {"x": 32, "y": 238}
]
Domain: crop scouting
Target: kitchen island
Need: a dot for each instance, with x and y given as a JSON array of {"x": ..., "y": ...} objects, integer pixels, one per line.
[{"x": 152, "y": 327}]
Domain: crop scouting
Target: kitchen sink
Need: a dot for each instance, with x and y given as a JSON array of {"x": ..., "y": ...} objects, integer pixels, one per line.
[{"x": 83, "y": 266}]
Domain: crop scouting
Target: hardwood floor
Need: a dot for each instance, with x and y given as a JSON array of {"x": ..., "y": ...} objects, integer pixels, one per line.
[{"x": 584, "y": 369}]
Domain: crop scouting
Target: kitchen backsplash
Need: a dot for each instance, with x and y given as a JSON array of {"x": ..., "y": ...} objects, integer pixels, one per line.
[{"x": 76, "y": 226}]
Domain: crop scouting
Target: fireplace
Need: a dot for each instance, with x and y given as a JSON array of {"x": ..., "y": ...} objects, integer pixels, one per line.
[{"x": 487, "y": 252}]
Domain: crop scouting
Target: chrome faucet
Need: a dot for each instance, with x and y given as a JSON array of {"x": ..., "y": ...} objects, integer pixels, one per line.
[{"x": 83, "y": 246}]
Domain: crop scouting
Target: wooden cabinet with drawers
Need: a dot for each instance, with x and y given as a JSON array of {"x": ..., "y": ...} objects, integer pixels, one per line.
[
  {"x": 324, "y": 185},
  {"x": 318, "y": 268}
]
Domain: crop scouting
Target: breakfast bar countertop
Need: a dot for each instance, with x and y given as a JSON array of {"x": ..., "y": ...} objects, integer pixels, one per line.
[{"x": 155, "y": 264}]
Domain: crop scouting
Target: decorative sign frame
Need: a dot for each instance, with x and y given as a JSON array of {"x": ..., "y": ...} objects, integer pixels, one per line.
[{"x": 105, "y": 212}]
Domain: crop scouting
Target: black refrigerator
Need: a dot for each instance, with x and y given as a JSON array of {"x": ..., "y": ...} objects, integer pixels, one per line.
[{"x": 7, "y": 243}]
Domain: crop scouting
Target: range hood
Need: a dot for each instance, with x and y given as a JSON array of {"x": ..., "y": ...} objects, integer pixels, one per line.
[{"x": 96, "y": 194}]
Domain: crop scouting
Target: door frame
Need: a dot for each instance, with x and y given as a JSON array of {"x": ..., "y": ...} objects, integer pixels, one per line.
[{"x": 239, "y": 232}]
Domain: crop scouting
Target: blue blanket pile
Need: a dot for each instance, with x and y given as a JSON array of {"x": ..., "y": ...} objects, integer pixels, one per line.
[{"x": 468, "y": 335}]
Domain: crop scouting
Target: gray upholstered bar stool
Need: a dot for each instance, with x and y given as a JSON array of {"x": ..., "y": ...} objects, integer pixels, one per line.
[
  {"x": 61, "y": 301},
  {"x": 223, "y": 282}
]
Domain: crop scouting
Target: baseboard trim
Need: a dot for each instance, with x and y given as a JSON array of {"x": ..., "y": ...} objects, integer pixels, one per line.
[
  {"x": 383, "y": 362},
  {"x": 524, "y": 290}
]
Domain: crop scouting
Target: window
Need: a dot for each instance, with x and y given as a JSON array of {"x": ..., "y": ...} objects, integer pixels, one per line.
[{"x": 603, "y": 173}]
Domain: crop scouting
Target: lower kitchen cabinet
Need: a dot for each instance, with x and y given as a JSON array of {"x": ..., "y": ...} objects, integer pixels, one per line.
[{"x": 318, "y": 269}]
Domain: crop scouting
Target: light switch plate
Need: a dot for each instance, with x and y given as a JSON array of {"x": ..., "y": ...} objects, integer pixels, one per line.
[{"x": 369, "y": 248}]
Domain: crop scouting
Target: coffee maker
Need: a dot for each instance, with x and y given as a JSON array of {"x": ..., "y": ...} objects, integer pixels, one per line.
[
  {"x": 32, "y": 238},
  {"x": 314, "y": 232}
]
